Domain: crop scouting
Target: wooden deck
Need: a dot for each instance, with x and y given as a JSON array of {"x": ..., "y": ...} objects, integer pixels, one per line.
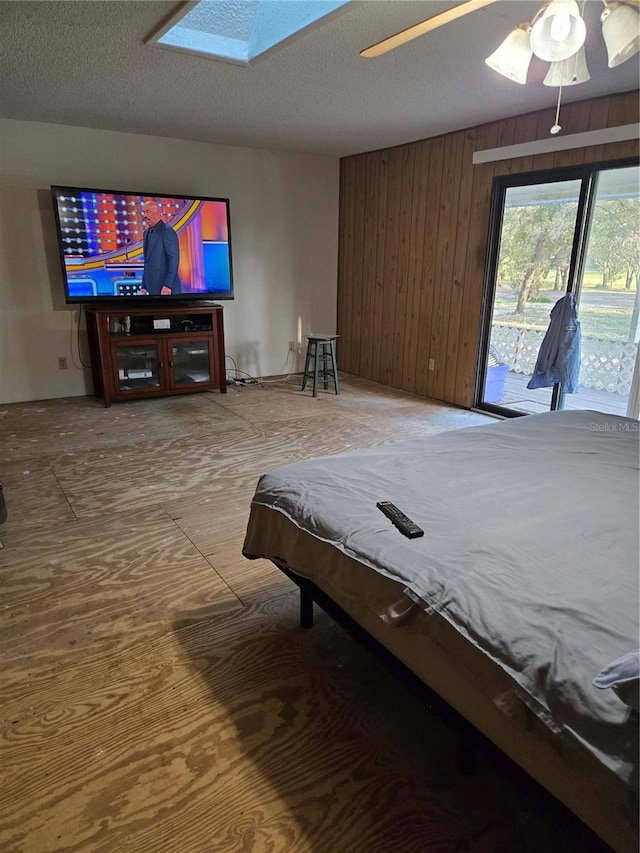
[{"x": 517, "y": 396}]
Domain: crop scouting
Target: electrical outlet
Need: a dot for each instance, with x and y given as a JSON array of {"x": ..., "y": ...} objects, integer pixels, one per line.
[
  {"x": 432, "y": 364},
  {"x": 293, "y": 345},
  {"x": 62, "y": 363}
]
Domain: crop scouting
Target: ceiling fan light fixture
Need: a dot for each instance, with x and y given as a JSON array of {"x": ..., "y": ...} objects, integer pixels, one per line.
[
  {"x": 568, "y": 72},
  {"x": 558, "y": 31},
  {"x": 621, "y": 32},
  {"x": 513, "y": 57}
]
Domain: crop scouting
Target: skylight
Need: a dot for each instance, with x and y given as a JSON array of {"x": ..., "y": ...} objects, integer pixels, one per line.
[{"x": 241, "y": 30}]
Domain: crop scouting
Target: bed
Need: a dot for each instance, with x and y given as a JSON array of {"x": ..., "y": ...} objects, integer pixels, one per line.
[{"x": 524, "y": 587}]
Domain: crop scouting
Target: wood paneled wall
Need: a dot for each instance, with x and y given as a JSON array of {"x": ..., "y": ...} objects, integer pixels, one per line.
[{"x": 413, "y": 232}]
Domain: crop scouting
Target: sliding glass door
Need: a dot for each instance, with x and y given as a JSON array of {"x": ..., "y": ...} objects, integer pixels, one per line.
[
  {"x": 609, "y": 295},
  {"x": 568, "y": 232}
]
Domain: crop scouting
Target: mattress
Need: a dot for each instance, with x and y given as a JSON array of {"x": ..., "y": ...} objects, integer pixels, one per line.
[{"x": 526, "y": 580}]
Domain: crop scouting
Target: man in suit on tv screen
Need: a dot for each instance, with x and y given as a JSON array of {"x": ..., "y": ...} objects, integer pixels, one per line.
[{"x": 161, "y": 253}]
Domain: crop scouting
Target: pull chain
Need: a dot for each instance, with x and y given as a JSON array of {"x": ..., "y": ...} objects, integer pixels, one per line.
[{"x": 556, "y": 127}]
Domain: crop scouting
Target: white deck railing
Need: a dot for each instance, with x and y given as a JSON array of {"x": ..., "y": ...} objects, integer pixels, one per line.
[{"x": 605, "y": 365}]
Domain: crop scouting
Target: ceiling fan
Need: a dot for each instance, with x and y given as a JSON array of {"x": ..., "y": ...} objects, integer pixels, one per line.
[
  {"x": 555, "y": 35},
  {"x": 620, "y": 30},
  {"x": 423, "y": 27}
]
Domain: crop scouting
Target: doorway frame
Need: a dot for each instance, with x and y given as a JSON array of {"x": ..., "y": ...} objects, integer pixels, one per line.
[{"x": 587, "y": 174}]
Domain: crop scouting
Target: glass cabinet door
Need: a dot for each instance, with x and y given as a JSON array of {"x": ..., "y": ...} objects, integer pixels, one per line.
[
  {"x": 191, "y": 362},
  {"x": 138, "y": 366}
]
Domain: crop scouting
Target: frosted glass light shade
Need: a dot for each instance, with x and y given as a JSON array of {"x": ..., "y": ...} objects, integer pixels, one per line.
[
  {"x": 568, "y": 72},
  {"x": 558, "y": 31},
  {"x": 513, "y": 57},
  {"x": 621, "y": 32}
]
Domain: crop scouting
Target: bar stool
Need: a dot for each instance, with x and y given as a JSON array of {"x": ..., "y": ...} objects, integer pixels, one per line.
[{"x": 322, "y": 349}]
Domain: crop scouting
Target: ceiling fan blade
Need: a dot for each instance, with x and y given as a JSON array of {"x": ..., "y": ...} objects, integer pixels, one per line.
[{"x": 424, "y": 27}]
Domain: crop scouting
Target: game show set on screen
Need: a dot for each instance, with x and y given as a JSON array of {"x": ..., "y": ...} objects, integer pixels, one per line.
[{"x": 120, "y": 244}]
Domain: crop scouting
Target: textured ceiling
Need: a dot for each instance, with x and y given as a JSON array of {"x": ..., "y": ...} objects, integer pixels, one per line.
[{"x": 87, "y": 64}]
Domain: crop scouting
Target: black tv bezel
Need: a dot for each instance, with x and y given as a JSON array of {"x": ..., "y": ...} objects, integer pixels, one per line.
[{"x": 173, "y": 299}]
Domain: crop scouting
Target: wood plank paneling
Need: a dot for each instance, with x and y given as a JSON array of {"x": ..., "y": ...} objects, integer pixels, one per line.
[
  {"x": 463, "y": 225},
  {"x": 345, "y": 247},
  {"x": 546, "y": 119},
  {"x": 369, "y": 262},
  {"x": 526, "y": 129},
  {"x": 390, "y": 283},
  {"x": 622, "y": 112},
  {"x": 447, "y": 230},
  {"x": 598, "y": 119},
  {"x": 482, "y": 178},
  {"x": 381, "y": 250},
  {"x": 423, "y": 374},
  {"x": 419, "y": 212},
  {"x": 404, "y": 257},
  {"x": 358, "y": 253},
  {"x": 573, "y": 119},
  {"x": 413, "y": 231}
]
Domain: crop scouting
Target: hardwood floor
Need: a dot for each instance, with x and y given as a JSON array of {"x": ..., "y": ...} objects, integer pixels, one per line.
[{"x": 157, "y": 692}]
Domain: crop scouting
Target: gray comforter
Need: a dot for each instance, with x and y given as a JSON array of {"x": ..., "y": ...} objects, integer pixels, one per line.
[{"x": 530, "y": 550}]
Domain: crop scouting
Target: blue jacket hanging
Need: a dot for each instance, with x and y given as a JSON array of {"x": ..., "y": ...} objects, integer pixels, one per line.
[{"x": 559, "y": 356}]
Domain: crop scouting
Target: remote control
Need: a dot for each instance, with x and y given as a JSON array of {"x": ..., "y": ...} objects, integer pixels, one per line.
[{"x": 400, "y": 520}]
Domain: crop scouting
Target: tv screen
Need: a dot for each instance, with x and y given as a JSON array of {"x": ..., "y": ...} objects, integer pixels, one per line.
[{"x": 140, "y": 246}]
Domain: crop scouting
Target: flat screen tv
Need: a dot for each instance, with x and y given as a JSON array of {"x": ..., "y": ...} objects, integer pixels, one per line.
[{"x": 133, "y": 246}]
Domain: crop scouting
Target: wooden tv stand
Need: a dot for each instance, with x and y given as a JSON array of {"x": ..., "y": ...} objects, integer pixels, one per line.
[{"x": 155, "y": 351}]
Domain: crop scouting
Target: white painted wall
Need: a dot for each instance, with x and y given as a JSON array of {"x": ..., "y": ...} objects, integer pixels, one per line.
[{"x": 284, "y": 227}]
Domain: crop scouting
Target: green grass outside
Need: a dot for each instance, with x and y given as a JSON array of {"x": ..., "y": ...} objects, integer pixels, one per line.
[{"x": 608, "y": 322}]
